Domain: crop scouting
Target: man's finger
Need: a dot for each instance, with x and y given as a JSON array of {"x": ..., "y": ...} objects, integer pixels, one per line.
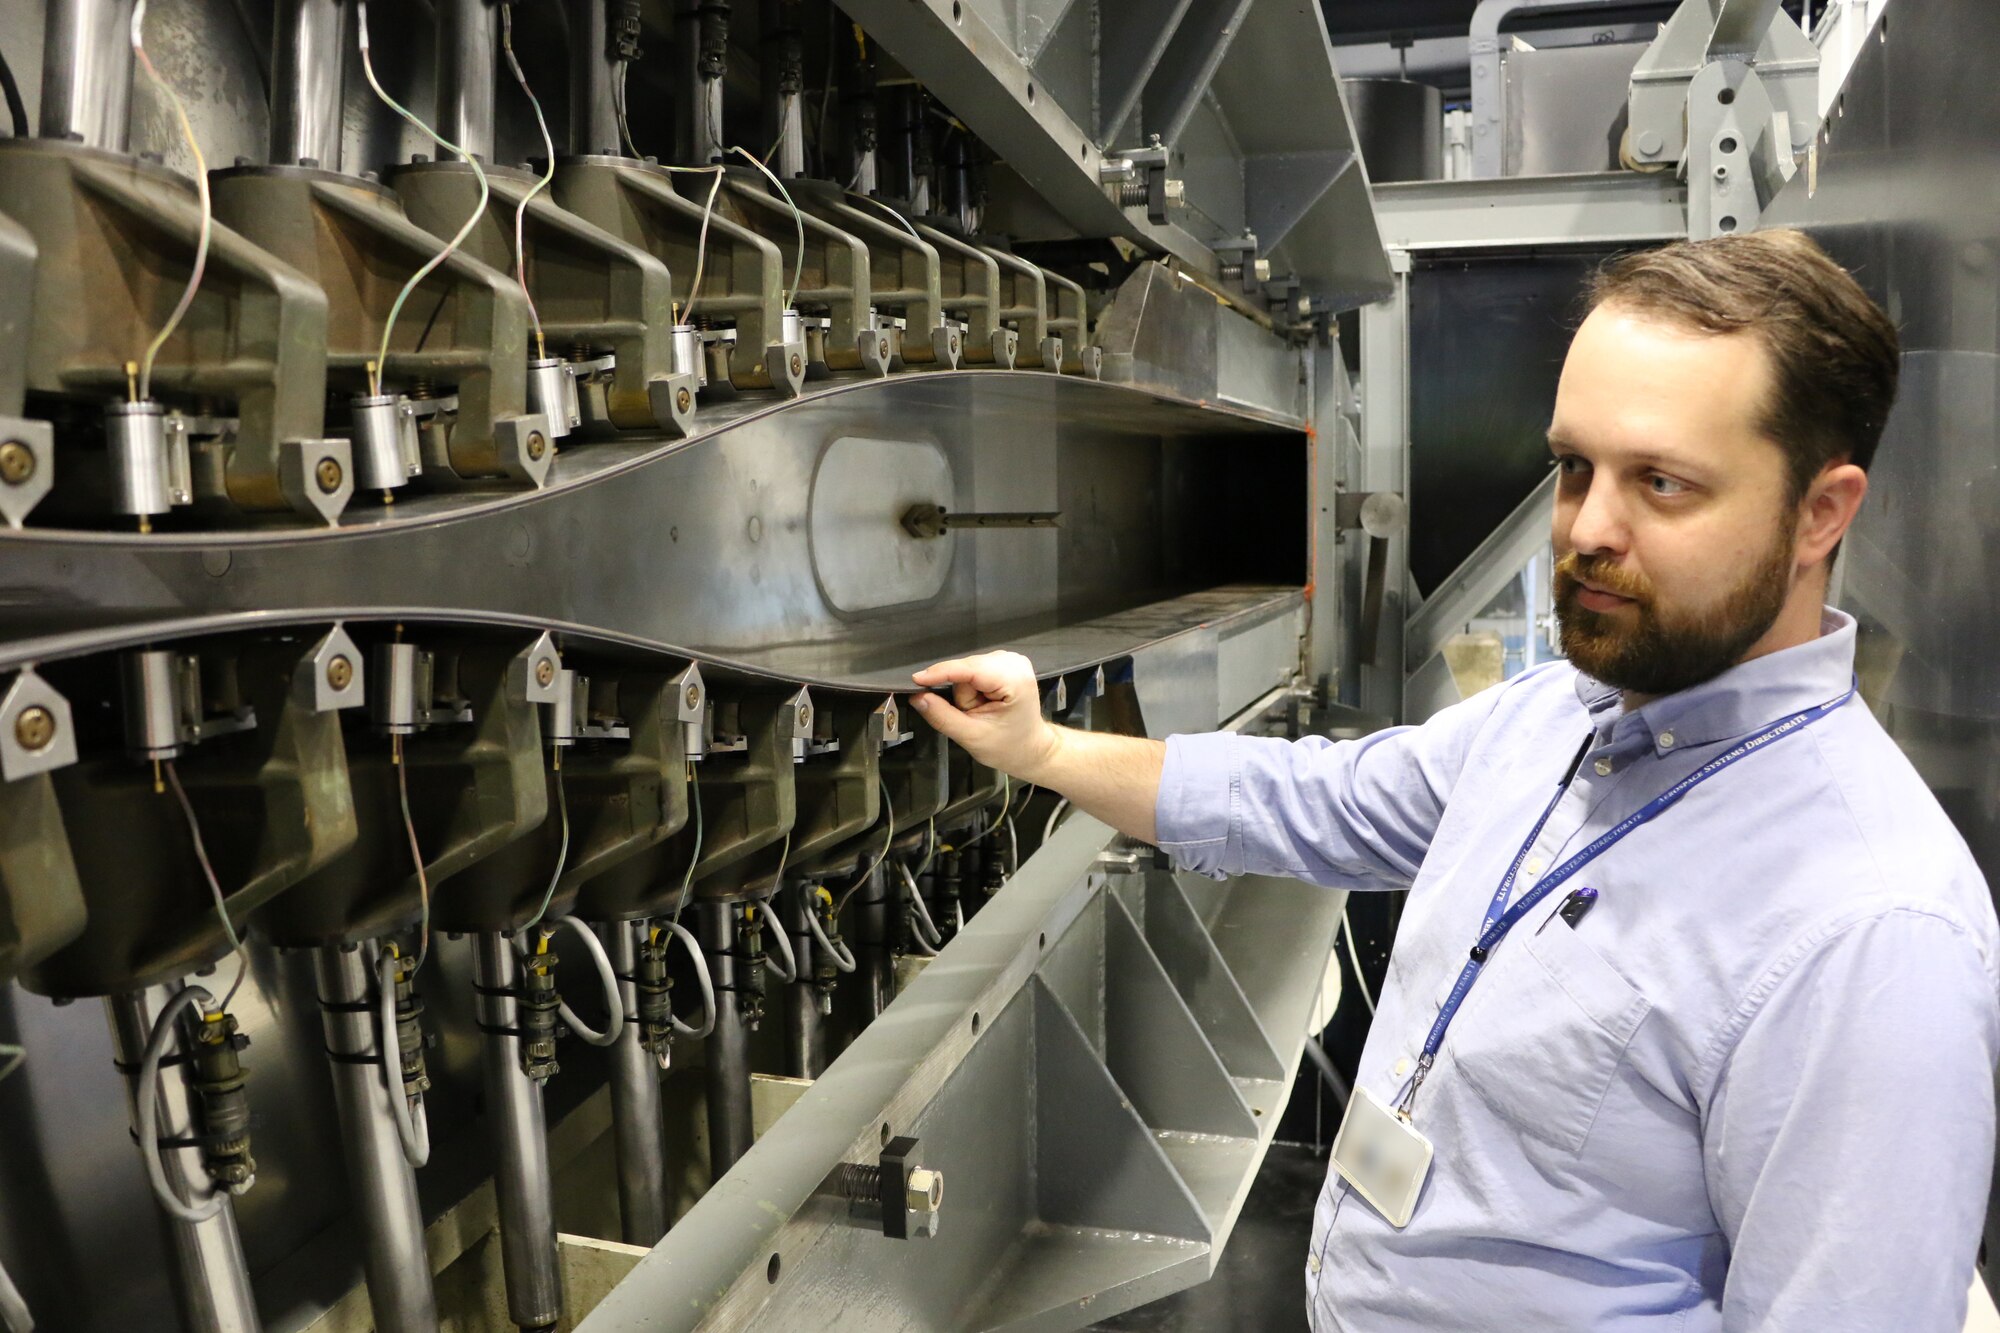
[
  {"x": 944, "y": 719},
  {"x": 983, "y": 673}
]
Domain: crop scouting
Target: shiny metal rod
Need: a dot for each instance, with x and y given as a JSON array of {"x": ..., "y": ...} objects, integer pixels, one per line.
[
  {"x": 805, "y": 1037},
  {"x": 384, "y": 1186},
  {"x": 635, "y": 1103},
  {"x": 308, "y": 59},
  {"x": 211, "y": 1278},
  {"x": 87, "y": 73},
  {"x": 593, "y": 105},
  {"x": 728, "y": 1054},
  {"x": 878, "y": 946},
  {"x": 520, "y": 1142},
  {"x": 468, "y": 54}
]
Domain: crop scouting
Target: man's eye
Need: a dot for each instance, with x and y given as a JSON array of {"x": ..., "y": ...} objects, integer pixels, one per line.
[
  {"x": 1571, "y": 466},
  {"x": 1665, "y": 485}
]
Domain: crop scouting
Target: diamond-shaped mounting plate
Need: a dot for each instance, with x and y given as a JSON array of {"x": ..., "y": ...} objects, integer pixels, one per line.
[{"x": 37, "y": 733}]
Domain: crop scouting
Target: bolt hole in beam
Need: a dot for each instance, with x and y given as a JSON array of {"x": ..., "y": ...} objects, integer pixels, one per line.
[
  {"x": 1726, "y": 96},
  {"x": 771, "y": 1271},
  {"x": 1727, "y": 145},
  {"x": 885, "y": 1133},
  {"x": 975, "y": 1025},
  {"x": 957, "y": 12},
  {"x": 1041, "y": 941},
  {"x": 1031, "y": 94},
  {"x": 1728, "y": 223}
]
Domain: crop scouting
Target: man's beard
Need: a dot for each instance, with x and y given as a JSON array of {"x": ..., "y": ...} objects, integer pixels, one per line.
[{"x": 1658, "y": 652}]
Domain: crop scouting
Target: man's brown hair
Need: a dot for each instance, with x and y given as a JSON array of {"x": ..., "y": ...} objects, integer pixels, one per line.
[{"x": 1834, "y": 352}]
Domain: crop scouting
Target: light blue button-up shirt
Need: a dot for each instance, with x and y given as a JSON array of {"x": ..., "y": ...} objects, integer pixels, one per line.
[{"x": 1752, "y": 1089}]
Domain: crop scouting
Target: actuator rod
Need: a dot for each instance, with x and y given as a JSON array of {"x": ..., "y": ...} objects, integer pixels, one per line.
[
  {"x": 520, "y": 1141},
  {"x": 728, "y": 1054},
  {"x": 635, "y": 1103},
  {"x": 87, "y": 73},
  {"x": 308, "y": 59}
]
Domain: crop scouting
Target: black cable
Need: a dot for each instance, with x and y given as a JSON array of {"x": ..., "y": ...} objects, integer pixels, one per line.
[{"x": 17, "y": 110}]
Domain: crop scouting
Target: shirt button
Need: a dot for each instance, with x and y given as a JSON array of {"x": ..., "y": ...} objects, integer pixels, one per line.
[
  {"x": 1666, "y": 740},
  {"x": 1534, "y": 867},
  {"x": 1312, "y": 1263},
  {"x": 1603, "y": 767},
  {"x": 1402, "y": 1066}
]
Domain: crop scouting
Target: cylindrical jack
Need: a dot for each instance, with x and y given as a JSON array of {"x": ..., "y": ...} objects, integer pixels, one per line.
[
  {"x": 143, "y": 467},
  {"x": 635, "y": 1102},
  {"x": 308, "y": 59},
  {"x": 552, "y": 392},
  {"x": 385, "y": 443},
  {"x": 87, "y": 72},
  {"x": 729, "y": 1124}
]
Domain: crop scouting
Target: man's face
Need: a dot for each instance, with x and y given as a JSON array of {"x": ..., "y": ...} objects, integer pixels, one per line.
[{"x": 1674, "y": 530}]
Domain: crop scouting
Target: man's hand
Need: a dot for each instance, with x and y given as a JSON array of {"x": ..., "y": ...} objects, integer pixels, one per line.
[
  {"x": 995, "y": 715},
  {"x": 998, "y": 715}
]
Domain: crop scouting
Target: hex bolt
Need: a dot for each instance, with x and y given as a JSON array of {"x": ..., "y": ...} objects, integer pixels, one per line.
[
  {"x": 545, "y": 671},
  {"x": 538, "y": 444},
  {"x": 340, "y": 673},
  {"x": 17, "y": 462},
  {"x": 925, "y": 1192},
  {"x": 329, "y": 475},
  {"x": 35, "y": 728}
]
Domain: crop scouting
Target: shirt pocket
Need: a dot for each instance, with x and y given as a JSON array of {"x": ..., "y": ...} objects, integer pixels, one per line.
[{"x": 1549, "y": 1034}]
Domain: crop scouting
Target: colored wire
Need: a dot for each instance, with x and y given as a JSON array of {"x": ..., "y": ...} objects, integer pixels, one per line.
[
  {"x": 798, "y": 219},
  {"x": 521, "y": 213},
  {"x": 147, "y": 1106},
  {"x": 682, "y": 312},
  {"x": 707, "y": 983},
  {"x": 925, "y": 929},
  {"x": 790, "y": 971},
  {"x": 214, "y": 885},
  {"x": 888, "y": 836},
  {"x": 1354, "y": 957},
  {"x": 998, "y": 819},
  {"x": 901, "y": 221},
  {"x": 694, "y": 857},
  {"x": 144, "y": 385},
  {"x": 562, "y": 856},
  {"x": 416, "y": 855},
  {"x": 839, "y": 955},
  {"x": 451, "y": 246}
]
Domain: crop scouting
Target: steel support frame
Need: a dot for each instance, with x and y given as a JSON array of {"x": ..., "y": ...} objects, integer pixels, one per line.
[
  {"x": 1385, "y": 466},
  {"x": 1600, "y": 208}
]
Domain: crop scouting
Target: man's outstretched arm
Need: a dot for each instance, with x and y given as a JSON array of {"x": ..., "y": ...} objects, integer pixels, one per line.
[{"x": 997, "y": 719}]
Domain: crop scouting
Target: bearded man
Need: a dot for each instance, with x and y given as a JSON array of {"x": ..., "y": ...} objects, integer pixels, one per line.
[{"x": 1693, "y": 1013}]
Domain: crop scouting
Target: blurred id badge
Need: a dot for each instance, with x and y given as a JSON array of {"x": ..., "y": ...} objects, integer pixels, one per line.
[{"x": 1382, "y": 1156}]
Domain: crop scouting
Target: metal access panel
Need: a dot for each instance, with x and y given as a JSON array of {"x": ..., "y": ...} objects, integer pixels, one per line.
[
  {"x": 1566, "y": 107},
  {"x": 1097, "y": 1066}
]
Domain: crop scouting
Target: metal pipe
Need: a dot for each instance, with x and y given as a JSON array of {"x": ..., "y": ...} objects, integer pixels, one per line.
[
  {"x": 635, "y": 1103},
  {"x": 878, "y": 949},
  {"x": 593, "y": 104},
  {"x": 805, "y": 1037},
  {"x": 87, "y": 72},
  {"x": 784, "y": 86},
  {"x": 520, "y": 1141},
  {"x": 703, "y": 53},
  {"x": 384, "y": 1187},
  {"x": 468, "y": 47},
  {"x": 308, "y": 59},
  {"x": 728, "y": 1054},
  {"x": 211, "y": 1277}
]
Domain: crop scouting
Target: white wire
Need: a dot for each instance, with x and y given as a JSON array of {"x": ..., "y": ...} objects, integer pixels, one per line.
[
  {"x": 148, "y": 1112},
  {"x": 562, "y": 855},
  {"x": 927, "y": 932},
  {"x": 521, "y": 212},
  {"x": 451, "y": 247},
  {"x": 790, "y": 971},
  {"x": 1049, "y": 829},
  {"x": 14, "y": 1315},
  {"x": 144, "y": 384},
  {"x": 901, "y": 221},
  {"x": 798, "y": 220},
  {"x": 614, "y": 1004},
  {"x": 839, "y": 955},
  {"x": 889, "y": 838},
  {"x": 680, "y": 933},
  {"x": 214, "y": 885},
  {"x": 1354, "y": 957},
  {"x": 694, "y": 856},
  {"x": 412, "y": 1125}
]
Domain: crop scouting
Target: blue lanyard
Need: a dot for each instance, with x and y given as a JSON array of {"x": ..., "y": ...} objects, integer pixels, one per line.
[{"x": 1500, "y": 918}]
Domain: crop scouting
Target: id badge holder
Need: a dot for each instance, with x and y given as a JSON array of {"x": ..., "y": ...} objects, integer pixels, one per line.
[{"x": 1382, "y": 1156}]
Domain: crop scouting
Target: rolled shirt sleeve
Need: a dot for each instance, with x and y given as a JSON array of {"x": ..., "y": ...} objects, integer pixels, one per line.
[
  {"x": 1849, "y": 1138},
  {"x": 1358, "y": 814}
]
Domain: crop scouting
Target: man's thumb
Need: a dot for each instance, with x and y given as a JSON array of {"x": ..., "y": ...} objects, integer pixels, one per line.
[{"x": 946, "y": 720}]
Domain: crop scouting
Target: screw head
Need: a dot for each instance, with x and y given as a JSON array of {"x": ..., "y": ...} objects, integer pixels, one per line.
[
  {"x": 17, "y": 462},
  {"x": 683, "y": 400},
  {"x": 805, "y": 715},
  {"x": 693, "y": 695},
  {"x": 954, "y": 344},
  {"x": 538, "y": 444},
  {"x": 35, "y": 728},
  {"x": 545, "y": 671},
  {"x": 328, "y": 475},
  {"x": 882, "y": 349},
  {"x": 798, "y": 364},
  {"x": 340, "y": 673}
]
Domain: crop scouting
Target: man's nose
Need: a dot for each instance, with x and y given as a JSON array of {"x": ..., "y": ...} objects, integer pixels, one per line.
[{"x": 1596, "y": 523}]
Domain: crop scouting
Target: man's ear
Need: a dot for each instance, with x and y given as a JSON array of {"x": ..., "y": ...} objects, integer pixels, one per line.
[{"x": 1828, "y": 510}]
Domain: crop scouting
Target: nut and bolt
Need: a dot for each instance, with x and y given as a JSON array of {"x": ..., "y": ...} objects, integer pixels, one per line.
[
  {"x": 329, "y": 475},
  {"x": 538, "y": 444},
  {"x": 924, "y": 1192},
  {"x": 17, "y": 462},
  {"x": 545, "y": 671},
  {"x": 35, "y": 728},
  {"x": 340, "y": 673}
]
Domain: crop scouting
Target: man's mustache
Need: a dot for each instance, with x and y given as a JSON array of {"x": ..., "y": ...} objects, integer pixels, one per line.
[{"x": 1600, "y": 572}]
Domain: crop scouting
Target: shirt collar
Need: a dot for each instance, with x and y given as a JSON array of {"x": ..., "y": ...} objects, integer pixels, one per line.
[{"x": 1741, "y": 699}]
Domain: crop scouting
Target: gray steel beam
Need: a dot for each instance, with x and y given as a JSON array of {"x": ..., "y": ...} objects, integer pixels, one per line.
[
  {"x": 1131, "y": 38},
  {"x": 1606, "y": 208},
  {"x": 1185, "y": 69}
]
